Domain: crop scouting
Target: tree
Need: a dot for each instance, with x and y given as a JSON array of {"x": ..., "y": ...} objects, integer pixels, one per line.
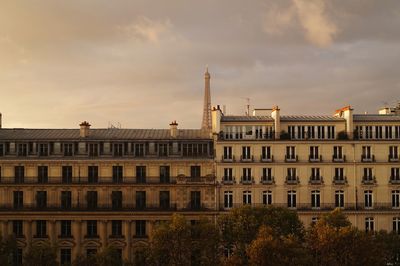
[
  {"x": 8, "y": 246},
  {"x": 41, "y": 255},
  {"x": 272, "y": 249},
  {"x": 108, "y": 256}
]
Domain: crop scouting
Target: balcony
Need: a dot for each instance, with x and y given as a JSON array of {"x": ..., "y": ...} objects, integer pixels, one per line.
[
  {"x": 267, "y": 180},
  {"x": 368, "y": 180},
  {"x": 230, "y": 159},
  {"x": 247, "y": 159},
  {"x": 197, "y": 206},
  {"x": 292, "y": 180},
  {"x": 291, "y": 159},
  {"x": 315, "y": 159},
  {"x": 367, "y": 159},
  {"x": 316, "y": 180},
  {"x": 339, "y": 180},
  {"x": 394, "y": 180},
  {"x": 247, "y": 180},
  {"x": 266, "y": 159},
  {"x": 228, "y": 180},
  {"x": 339, "y": 159},
  {"x": 392, "y": 158}
]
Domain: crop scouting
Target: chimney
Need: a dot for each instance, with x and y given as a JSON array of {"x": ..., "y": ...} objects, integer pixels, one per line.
[
  {"x": 277, "y": 121},
  {"x": 84, "y": 130},
  {"x": 173, "y": 129},
  {"x": 347, "y": 113},
  {"x": 216, "y": 115}
]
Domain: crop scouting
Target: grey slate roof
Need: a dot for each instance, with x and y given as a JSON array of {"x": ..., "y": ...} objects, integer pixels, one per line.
[
  {"x": 100, "y": 134},
  {"x": 375, "y": 118},
  {"x": 236, "y": 118},
  {"x": 306, "y": 118}
]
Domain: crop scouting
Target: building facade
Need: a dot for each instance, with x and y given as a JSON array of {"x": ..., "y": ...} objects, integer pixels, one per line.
[
  {"x": 84, "y": 189},
  {"x": 311, "y": 164}
]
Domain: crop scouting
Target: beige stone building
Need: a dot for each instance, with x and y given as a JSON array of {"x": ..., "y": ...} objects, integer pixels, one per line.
[
  {"x": 312, "y": 164},
  {"x": 83, "y": 189}
]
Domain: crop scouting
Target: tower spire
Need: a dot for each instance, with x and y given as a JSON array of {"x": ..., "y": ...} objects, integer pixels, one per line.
[{"x": 206, "y": 123}]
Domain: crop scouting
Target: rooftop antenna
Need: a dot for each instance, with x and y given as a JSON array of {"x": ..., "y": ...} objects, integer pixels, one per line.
[{"x": 247, "y": 106}]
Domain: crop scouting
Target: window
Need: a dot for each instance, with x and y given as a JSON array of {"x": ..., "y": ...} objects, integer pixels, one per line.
[
  {"x": 17, "y": 257},
  {"x": 116, "y": 200},
  {"x": 93, "y": 149},
  {"x": 118, "y": 149},
  {"x": 227, "y": 153},
  {"x": 315, "y": 174},
  {"x": 116, "y": 228},
  {"x": 267, "y": 197},
  {"x": 66, "y": 200},
  {"x": 195, "y": 200},
  {"x": 311, "y": 132},
  {"x": 378, "y": 132},
  {"x": 164, "y": 200},
  {"x": 140, "y": 199},
  {"x": 315, "y": 199},
  {"x": 246, "y": 197},
  {"x": 291, "y": 199},
  {"x": 93, "y": 174},
  {"x": 291, "y": 174},
  {"x": 140, "y": 226},
  {"x": 368, "y": 132},
  {"x": 67, "y": 174},
  {"x": 246, "y": 178},
  {"x": 339, "y": 174},
  {"x": 164, "y": 174},
  {"x": 41, "y": 229},
  {"x": 139, "y": 149},
  {"x": 395, "y": 198},
  {"x": 43, "y": 149},
  {"x": 395, "y": 174},
  {"x": 369, "y": 224},
  {"x": 67, "y": 149},
  {"x": 266, "y": 175},
  {"x": 18, "y": 230},
  {"x": 393, "y": 153},
  {"x": 163, "y": 149},
  {"x": 314, "y": 220},
  {"x": 368, "y": 199},
  {"x": 41, "y": 199},
  {"x": 195, "y": 171},
  {"x": 290, "y": 153},
  {"x": 266, "y": 153},
  {"x": 314, "y": 153},
  {"x": 301, "y": 133},
  {"x": 339, "y": 199},
  {"x": 228, "y": 199},
  {"x": 91, "y": 198},
  {"x": 117, "y": 174},
  {"x": 65, "y": 227},
  {"x": 246, "y": 154},
  {"x": 22, "y": 149},
  {"x": 228, "y": 176},
  {"x": 321, "y": 132},
  {"x": 19, "y": 174},
  {"x": 331, "y": 132},
  {"x": 18, "y": 199},
  {"x": 91, "y": 228},
  {"x": 140, "y": 174},
  {"x": 396, "y": 225},
  {"x": 366, "y": 153},
  {"x": 337, "y": 153},
  {"x": 65, "y": 256},
  {"x": 43, "y": 174},
  {"x": 388, "y": 132}
]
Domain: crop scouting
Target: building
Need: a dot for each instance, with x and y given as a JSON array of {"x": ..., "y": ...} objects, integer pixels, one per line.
[
  {"x": 85, "y": 188},
  {"x": 311, "y": 164}
]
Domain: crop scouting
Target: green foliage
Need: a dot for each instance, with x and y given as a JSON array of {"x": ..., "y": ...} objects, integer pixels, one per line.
[
  {"x": 41, "y": 255},
  {"x": 335, "y": 218},
  {"x": 108, "y": 256},
  {"x": 8, "y": 245}
]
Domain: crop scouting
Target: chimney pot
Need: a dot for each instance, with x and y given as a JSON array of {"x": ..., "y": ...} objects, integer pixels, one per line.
[
  {"x": 84, "y": 129},
  {"x": 173, "y": 129}
]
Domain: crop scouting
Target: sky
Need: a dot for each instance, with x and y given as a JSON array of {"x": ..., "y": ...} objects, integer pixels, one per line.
[{"x": 140, "y": 64}]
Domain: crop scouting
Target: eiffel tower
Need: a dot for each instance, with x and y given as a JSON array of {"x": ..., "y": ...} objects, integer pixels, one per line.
[{"x": 206, "y": 123}]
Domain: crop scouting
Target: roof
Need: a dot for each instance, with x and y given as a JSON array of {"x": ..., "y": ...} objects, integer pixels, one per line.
[
  {"x": 375, "y": 118},
  {"x": 310, "y": 118},
  {"x": 100, "y": 134},
  {"x": 250, "y": 118}
]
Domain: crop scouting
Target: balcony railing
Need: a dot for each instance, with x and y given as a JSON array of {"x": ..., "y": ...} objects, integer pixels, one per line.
[
  {"x": 228, "y": 180},
  {"x": 291, "y": 159},
  {"x": 267, "y": 159},
  {"x": 108, "y": 180},
  {"x": 394, "y": 180},
  {"x": 316, "y": 180},
  {"x": 339, "y": 159},
  {"x": 292, "y": 180},
  {"x": 230, "y": 159},
  {"x": 392, "y": 158},
  {"x": 247, "y": 180},
  {"x": 368, "y": 180},
  {"x": 339, "y": 180},
  {"x": 314, "y": 159},
  {"x": 267, "y": 180},
  {"x": 247, "y": 159},
  {"x": 367, "y": 159}
]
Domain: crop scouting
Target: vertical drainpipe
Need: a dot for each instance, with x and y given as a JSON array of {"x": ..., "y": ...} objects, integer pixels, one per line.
[{"x": 355, "y": 183}]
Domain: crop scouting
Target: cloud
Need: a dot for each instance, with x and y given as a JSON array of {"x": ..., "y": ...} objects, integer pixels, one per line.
[
  {"x": 319, "y": 29},
  {"x": 145, "y": 29}
]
